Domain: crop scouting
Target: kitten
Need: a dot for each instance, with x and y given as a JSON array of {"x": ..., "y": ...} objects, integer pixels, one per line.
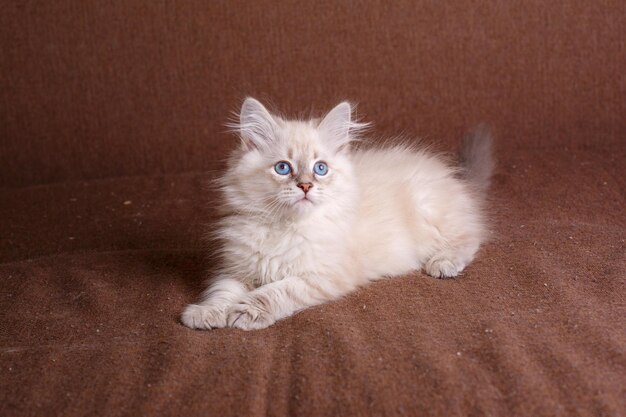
[{"x": 309, "y": 219}]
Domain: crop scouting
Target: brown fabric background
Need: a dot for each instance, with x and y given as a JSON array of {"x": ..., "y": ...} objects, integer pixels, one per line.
[
  {"x": 111, "y": 119},
  {"x": 100, "y": 89}
]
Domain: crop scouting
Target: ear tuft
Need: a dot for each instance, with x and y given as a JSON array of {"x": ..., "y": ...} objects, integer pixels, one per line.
[
  {"x": 339, "y": 127},
  {"x": 257, "y": 127}
]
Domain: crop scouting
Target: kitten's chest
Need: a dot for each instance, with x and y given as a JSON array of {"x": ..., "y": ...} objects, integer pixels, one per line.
[{"x": 263, "y": 254}]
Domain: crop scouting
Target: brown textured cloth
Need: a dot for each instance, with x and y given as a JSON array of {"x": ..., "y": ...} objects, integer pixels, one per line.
[{"x": 111, "y": 121}]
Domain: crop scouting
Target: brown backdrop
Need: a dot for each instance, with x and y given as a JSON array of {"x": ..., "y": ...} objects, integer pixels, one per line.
[{"x": 93, "y": 89}]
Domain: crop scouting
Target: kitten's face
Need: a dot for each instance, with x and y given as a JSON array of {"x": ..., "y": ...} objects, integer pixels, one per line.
[
  {"x": 275, "y": 179},
  {"x": 290, "y": 167}
]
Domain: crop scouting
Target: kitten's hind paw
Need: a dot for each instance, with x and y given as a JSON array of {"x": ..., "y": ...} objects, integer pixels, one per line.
[
  {"x": 247, "y": 316},
  {"x": 203, "y": 317},
  {"x": 442, "y": 268}
]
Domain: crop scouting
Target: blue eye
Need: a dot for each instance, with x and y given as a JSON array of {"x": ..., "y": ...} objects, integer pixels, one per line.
[
  {"x": 320, "y": 168},
  {"x": 282, "y": 168}
]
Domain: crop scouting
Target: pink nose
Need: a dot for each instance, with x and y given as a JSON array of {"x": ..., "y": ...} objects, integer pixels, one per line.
[{"x": 306, "y": 186}]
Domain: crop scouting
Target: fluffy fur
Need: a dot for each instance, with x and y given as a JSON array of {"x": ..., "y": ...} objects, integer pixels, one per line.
[{"x": 376, "y": 213}]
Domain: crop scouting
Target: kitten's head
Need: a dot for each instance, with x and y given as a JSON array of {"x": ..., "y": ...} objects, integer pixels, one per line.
[{"x": 291, "y": 167}]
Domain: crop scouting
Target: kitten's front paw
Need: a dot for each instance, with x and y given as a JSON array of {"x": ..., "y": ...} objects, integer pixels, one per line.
[
  {"x": 247, "y": 316},
  {"x": 203, "y": 317},
  {"x": 441, "y": 268}
]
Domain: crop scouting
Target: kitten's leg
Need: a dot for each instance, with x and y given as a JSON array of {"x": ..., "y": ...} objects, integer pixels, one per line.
[
  {"x": 449, "y": 262},
  {"x": 211, "y": 312},
  {"x": 271, "y": 302}
]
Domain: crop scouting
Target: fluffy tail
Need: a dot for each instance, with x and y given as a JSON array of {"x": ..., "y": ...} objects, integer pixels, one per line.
[{"x": 476, "y": 157}]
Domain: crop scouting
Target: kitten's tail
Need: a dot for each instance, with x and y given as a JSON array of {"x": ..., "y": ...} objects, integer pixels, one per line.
[{"x": 476, "y": 157}]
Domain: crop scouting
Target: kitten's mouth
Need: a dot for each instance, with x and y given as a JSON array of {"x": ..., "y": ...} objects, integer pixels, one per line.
[{"x": 304, "y": 200}]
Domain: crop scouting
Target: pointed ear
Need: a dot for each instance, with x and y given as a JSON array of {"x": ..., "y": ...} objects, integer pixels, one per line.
[
  {"x": 339, "y": 127},
  {"x": 257, "y": 127}
]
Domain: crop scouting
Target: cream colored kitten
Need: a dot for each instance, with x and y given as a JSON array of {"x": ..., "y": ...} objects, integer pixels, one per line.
[{"x": 309, "y": 219}]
